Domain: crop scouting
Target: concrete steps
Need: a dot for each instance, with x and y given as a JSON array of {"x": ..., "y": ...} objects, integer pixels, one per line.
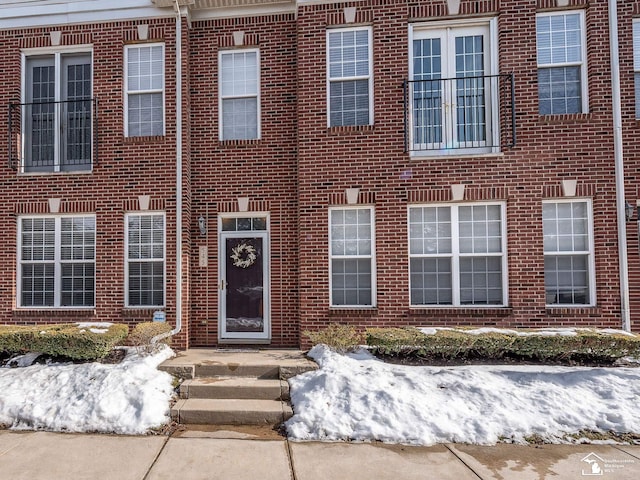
[{"x": 235, "y": 388}]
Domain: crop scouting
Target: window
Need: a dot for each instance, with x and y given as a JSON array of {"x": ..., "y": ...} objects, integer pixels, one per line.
[
  {"x": 453, "y": 94},
  {"x": 350, "y": 77},
  {"x": 636, "y": 63},
  {"x": 568, "y": 252},
  {"x": 145, "y": 90},
  {"x": 240, "y": 95},
  {"x": 145, "y": 260},
  {"x": 57, "y": 113},
  {"x": 457, "y": 255},
  {"x": 562, "y": 86},
  {"x": 56, "y": 257},
  {"x": 351, "y": 251}
]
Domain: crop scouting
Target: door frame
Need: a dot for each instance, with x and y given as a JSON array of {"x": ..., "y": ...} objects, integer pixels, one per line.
[{"x": 223, "y": 235}]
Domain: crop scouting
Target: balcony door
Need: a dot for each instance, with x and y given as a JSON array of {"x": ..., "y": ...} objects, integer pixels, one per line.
[
  {"x": 56, "y": 114},
  {"x": 451, "y": 89}
]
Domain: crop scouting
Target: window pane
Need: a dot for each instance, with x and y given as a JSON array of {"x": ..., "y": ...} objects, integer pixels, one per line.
[
  {"x": 481, "y": 281},
  {"x": 351, "y": 282},
  {"x": 560, "y": 90},
  {"x": 431, "y": 281},
  {"x": 566, "y": 279},
  {"x": 146, "y": 260},
  {"x": 146, "y": 112},
  {"x": 239, "y": 88},
  {"x": 240, "y": 119},
  {"x": 351, "y": 232}
]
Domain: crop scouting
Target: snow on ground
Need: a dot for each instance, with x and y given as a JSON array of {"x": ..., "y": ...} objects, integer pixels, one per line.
[
  {"x": 358, "y": 397},
  {"x": 128, "y": 398}
]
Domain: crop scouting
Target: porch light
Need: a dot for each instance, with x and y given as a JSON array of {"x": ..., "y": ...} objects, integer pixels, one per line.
[
  {"x": 628, "y": 211},
  {"x": 202, "y": 225}
]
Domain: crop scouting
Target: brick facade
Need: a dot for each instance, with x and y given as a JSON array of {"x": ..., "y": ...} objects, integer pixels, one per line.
[{"x": 298, "y": 168}]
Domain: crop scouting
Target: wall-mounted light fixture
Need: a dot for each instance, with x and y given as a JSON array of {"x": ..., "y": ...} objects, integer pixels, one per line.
[
  {"x": 628, "y": 211},
  {"x": 202, "y": 225}
]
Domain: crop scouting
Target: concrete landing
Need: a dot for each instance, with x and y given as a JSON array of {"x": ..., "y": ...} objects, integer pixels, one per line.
[{"x": 230, "y": 411}]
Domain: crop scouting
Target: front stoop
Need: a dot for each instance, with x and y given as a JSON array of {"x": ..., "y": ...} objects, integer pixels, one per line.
[{"x": 235, "y": 388}]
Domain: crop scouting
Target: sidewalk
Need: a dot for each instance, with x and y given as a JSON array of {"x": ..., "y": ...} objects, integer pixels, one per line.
[{"x": 199, "y": 455}]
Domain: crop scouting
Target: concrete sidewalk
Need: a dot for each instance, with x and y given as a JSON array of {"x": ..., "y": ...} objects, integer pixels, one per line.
[{"x": 202, "y": 455}]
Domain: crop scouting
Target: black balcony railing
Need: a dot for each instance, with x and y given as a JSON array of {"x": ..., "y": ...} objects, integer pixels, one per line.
[
  {"x": 468, "y": 115},
  {"x": 53, "y": 136}
]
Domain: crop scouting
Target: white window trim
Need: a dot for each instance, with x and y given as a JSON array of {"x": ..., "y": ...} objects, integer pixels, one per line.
[
  {"x": 368, "y": 77},
  {"x": 126, "y": 259},
  {"x": 128, "y": 92},
  {"x": 584, "y": 78},
  {"x": 590, "y": 254},
  {"x": 372, "y": 257},
  {"x": 455, "y": 255},
  {"x": 636, "y": 68},
  {"x": 415, "y": 29},
  {"x": 56, "y": 52},
  {"x": 257, "y": 96},
  {"x": 57, "y": 279}
]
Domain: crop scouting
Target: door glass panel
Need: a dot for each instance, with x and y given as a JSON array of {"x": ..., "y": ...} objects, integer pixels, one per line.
[
  {"x": 244, "y": 271},
  {"x": 427, "y": 92},
  {"x": 470, "y": 94}
]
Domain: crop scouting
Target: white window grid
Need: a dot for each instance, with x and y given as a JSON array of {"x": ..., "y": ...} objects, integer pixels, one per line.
[
  {"x": 349, "y": 69},
  {"x": 144, "y": 82},
  {"x": 458, "y": 240},
  {"x": 566, "y": 49},
  {"x": 239, "y": 86},
  {"x": 353, "y": 241},
  {"x": 145, "y": 247},
  {"x": 570, "y": 236},
  {"x": 63, "y": 247},
  {"x": 636, "y": 64}
]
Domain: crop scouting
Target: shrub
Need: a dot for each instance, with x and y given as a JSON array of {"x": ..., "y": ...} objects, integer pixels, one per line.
[
  {"x": 588, "y": 345},
  {"x": 75, "y": 341},
  {"x": 341, "y": 338},
  {"x": 143, "y": 333}
]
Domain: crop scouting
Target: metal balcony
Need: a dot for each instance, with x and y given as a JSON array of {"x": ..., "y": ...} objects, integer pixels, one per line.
[
  {"x": 53, "y": 136},
  {"x": 456, "y": 116}
]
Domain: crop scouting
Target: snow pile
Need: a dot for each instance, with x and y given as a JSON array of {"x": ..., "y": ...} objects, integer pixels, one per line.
[
  {"x": 128, "y": 398},
  {"x": 357, "y": 397},
  {"x": 543, "y": 332}
]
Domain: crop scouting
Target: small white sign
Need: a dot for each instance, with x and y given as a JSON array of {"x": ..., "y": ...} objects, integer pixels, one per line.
[{"x": 159, "y": 316}]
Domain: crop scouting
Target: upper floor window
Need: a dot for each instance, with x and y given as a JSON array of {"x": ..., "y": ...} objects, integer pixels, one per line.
[
  {"x": 350, "y": 78},
  {"x": 56, "y": 258},
  {"x": 457, "y": 255},
  {"x": 454, "y": 96},
  {"x": 56, "y": 115},
  {"x": 239, "y": 94},
  {"x": 351, "y": 253},
  {"x": 568, "y": 252},
  {"x": 636, "y": 64},
  {"x": 562, "y": 69},
  {"x": 144, "y": 99}
]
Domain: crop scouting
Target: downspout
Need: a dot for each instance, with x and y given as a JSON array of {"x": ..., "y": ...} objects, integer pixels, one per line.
[
  {"x": 178, "y": 326},
  {"x": 619, "y": 165}
]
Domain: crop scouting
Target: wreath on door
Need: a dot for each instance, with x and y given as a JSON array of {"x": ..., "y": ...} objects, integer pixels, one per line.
[{"x": 243, "y": 255}]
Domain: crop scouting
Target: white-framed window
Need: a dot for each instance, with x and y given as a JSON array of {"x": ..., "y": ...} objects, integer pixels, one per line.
[
  {"x": 349, "y": 76},
  {"x": 569, "y": 276},
  {"x": 562, "y": 65},
  {"x": 56, "y": 261},
  {"x": 457, "y": 255},
  {"x": 352, "y": 257},
  {"x": 454, "y": 87},
  {"x": 636, "y": 64},
  {"x": 57, "y": 110},
  {"x": 239, "y": 94},
  {"x": 145, "y": 264},
  {"x": 144, "y": 97}
]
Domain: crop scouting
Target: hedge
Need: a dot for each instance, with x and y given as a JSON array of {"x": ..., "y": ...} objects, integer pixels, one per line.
[
  {"x": 77, "y": 341},
  {"x": 590, "y": 345}
]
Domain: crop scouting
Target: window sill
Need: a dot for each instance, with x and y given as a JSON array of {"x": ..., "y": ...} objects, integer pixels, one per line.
[
  {"x": 438, "y": 155},
  {"x": 57, "y": 174},
  {"x": 461, "y": 311},
  {"x": 577, "y": 311},
  {"x": 145, "y": 139},
  {"x": 564, "y": 118},
  {"x": 140, "y": 313},
  {"x": 53, "y": 312},
  {"x": 239, "y": 143},
  {"x": 353, "y": 311},
  {"x": 343, "y": 129}
]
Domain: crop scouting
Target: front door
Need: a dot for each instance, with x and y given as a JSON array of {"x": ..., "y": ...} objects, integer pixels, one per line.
[{"x": 244, "y": 286}]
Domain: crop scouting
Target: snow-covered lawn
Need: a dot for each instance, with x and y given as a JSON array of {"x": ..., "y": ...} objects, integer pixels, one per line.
[
  {"x": 358, "y": 397},
  {"x": 131, "y": 397}
]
